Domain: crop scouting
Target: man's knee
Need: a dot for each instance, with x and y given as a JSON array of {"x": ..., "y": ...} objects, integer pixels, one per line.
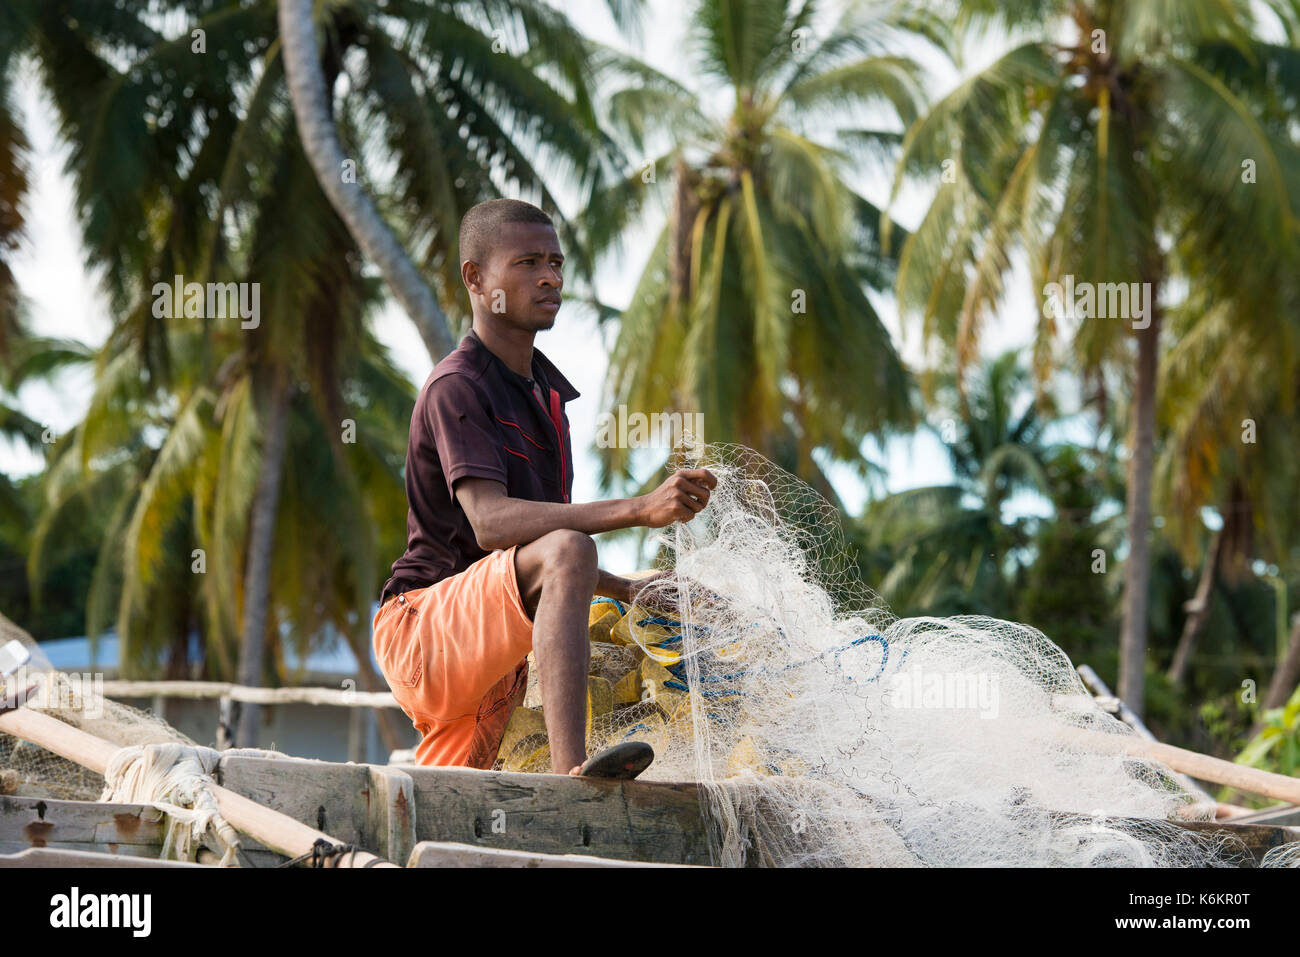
[
  {"x": 565, "y": 559},
  {"x": 568, "y": 554}
]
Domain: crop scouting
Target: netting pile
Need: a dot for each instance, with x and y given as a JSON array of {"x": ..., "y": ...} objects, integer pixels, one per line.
[
  {"x": 156, "y": 765},
  {"x": 34, "y": 770},
  {"x": 828, "y": 732}
]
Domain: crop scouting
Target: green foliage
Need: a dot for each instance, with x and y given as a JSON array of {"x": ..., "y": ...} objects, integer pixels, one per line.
[
  {"x": 949, "y": 549},
  {"x": 58, "y": 609},
  {"x": 1277, "y": 746}
]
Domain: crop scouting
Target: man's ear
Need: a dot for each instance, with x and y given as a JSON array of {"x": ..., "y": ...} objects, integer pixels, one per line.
[{"x": 472, "y": 276}]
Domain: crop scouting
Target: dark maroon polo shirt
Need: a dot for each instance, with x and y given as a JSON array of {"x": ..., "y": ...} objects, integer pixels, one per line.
[{"x": 477, "y": 417}]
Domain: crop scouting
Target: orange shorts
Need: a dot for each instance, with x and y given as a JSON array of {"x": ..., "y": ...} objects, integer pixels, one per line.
[{"x": 455, "y": 654}]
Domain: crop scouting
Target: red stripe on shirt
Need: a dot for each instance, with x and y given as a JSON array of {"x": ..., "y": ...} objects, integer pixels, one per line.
[{"x": 521, "y": 432}]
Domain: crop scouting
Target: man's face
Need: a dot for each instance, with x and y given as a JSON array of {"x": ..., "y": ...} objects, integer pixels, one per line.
[{"x": 521, "y": 282}]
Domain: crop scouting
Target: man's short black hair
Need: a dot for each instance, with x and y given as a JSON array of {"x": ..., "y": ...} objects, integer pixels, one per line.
[{"x": 482, "y": 224}]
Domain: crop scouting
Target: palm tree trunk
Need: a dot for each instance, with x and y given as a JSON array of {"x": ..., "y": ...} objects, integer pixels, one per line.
[
  {"x": 1198, "y": 610},
  {"x": 1137, "y": 570},
  {"x": 685, "y": 208},
  {"x": 261, "y": 547},
  {"x": 312, "y": 108}
]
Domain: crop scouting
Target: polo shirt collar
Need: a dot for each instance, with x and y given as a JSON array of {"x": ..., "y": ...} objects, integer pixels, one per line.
[{"x": 553, "y": 376}]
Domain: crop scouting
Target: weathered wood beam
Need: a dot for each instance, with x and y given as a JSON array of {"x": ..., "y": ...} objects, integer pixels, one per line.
[
  {"x": 221, "y": 689},
  {"x": 36, "y": 822},
  {"x": 68, "y": 857},
  {"x": 391, "y": 809},
  {"x": 645, "y": 821},
  {"x": 556, "y": 814},
  {"x": 1287, "y": 815},
  {"x": 366, "y": 805},
  {"x": 1259, "y": 839},
  {"x": 126, "y": 830},
  {"x": 435, "y": 854},
  {"x": 277, "y": 831}
]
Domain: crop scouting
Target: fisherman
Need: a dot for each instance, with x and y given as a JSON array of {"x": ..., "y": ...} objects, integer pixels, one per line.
[{"x": 499, "y": 561}]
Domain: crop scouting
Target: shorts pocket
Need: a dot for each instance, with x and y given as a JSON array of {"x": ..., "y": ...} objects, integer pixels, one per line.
[{"x": 403, "y": 658}]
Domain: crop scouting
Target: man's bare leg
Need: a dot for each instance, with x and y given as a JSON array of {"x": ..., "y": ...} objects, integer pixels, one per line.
[{"x": 557, "y": 578}]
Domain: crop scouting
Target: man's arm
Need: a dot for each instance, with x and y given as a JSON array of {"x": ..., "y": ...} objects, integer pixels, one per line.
[{"x": 500, "y": 521}]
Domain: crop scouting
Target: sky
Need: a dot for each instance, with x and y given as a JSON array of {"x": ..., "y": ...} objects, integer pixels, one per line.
[{"x": 64, "y": 299}]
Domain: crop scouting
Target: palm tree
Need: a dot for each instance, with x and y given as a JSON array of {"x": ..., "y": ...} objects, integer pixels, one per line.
[
  {"x": 753, "y": 309},
  {"x": 1108, "y": 142},
  {"x": 1062, "y": 591},
  {"x": 436, "y": 114},
  {"x": 996, "y": 443}
]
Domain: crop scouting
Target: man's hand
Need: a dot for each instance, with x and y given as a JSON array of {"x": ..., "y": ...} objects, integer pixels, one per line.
[
  {"x": 663, "y": 599},
  {"x": 685, "y": 493},
  {"x": 659, "y": 599}
]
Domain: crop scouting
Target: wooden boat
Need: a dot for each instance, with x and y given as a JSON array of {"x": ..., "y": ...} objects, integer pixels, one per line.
[{"x": 429, "y": 817}]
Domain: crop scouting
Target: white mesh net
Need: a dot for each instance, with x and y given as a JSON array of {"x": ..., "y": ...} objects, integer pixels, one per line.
[
  {"x": 28, "y": 769},
  {"x": 828, "y": 732}
]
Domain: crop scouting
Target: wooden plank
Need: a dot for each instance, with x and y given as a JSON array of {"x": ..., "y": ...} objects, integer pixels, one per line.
[
  {"x": 436, "y": 854},
  {"x": 201, "y": 690},
  {"x": 1258, "y": 838},
  {"x": 644, "y": 821},
  {"x": 388, "y": 809},
  {"x": 279, "y": 831},
  {"x": 330, "y": 797},
  {"x": 124, "y": 829},
  {"x": 532, "y": 813},
  {"x": 1287, "y": 816},
  {"x": 148, "y": 851},
  {"x": 1203, "y": 767},
  {"x": 392, "y": 812},
  {"x": 68, "y": 857},
  {"x": 557, "y": 814},
  {"x": 37, "y": 822}
]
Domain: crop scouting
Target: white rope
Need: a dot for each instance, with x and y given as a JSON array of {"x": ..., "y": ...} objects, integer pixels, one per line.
[{"x": 177, "y": 779}]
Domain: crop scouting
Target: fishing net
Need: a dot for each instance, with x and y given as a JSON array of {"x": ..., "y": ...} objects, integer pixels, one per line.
[
  {"x": 1287, "y": 855},
  {"x": 826, "y": 731},
  {"x": 75, "y": 699},
  {"x": 156, "y": 764}
]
